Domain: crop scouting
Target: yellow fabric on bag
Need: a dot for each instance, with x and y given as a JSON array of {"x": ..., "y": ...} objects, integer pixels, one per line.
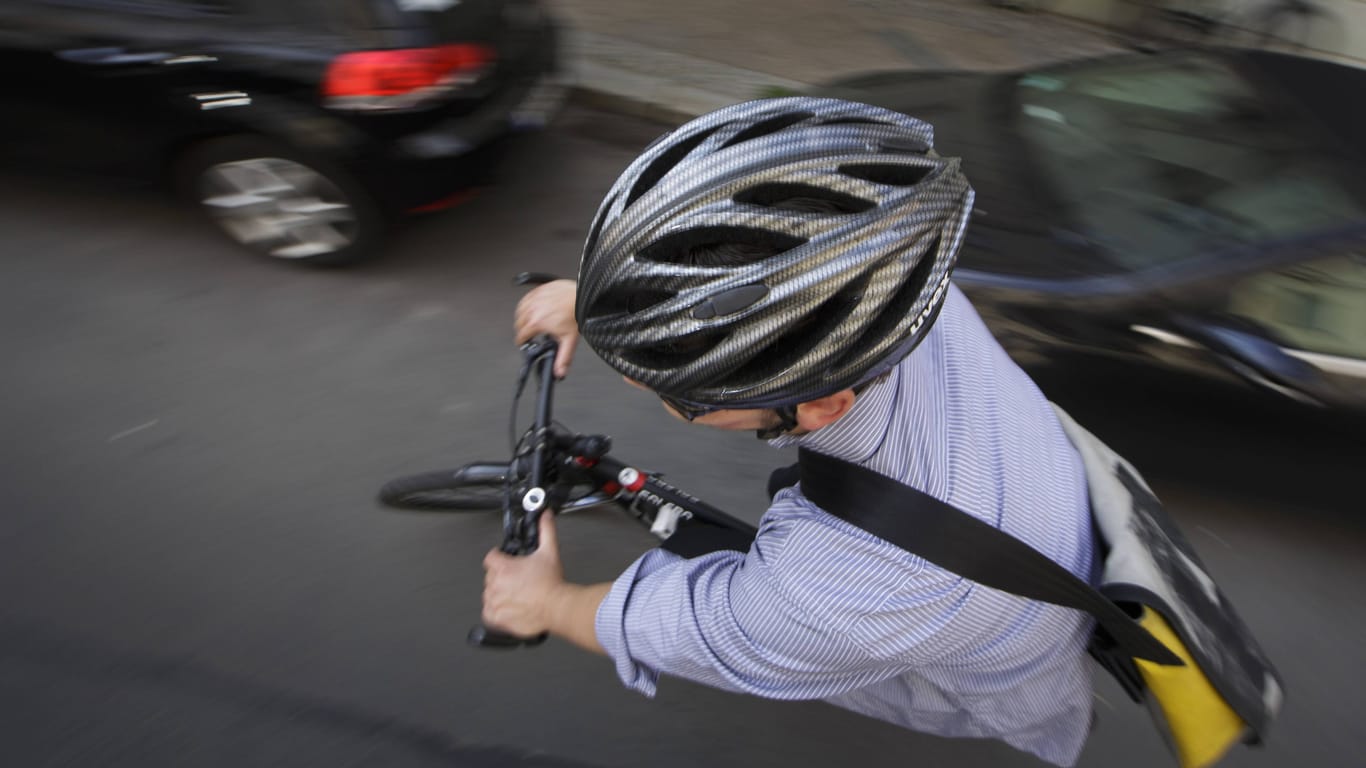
[{"x": 1202, "y": 725}]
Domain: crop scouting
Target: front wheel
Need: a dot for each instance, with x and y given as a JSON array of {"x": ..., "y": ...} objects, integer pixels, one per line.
[{"x": 472, "y": 487}]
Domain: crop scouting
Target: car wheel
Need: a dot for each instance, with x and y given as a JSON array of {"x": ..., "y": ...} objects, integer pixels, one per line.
[{"x": 277, "y": 204}]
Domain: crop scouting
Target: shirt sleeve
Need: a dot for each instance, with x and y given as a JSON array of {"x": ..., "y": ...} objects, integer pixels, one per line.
[{"x": 730, "y": 621}]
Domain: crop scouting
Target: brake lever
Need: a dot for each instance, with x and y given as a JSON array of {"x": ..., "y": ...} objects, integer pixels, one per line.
[
  {"x": 538, "y": 345},
  {"x": 483, "y": 637}
]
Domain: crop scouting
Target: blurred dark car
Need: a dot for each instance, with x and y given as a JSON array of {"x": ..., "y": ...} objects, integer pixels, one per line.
[
  {"x": 302, "y": 126},
  {"x": 1198, "y": 210}
]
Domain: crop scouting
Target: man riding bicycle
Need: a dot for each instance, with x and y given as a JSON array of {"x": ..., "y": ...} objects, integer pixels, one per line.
[{"x": 771, "y": 267}]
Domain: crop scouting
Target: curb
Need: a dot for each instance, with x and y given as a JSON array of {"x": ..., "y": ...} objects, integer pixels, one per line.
[{"x": 628, "y": 78}]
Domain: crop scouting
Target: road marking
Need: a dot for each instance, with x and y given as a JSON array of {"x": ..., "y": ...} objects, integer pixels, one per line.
[
  {"x": 1213, "y": 535},
  {"x": 133, "y": 430},
  {"x": 1164, "y": 336},
  {"x": 1345, "y": 366},
  {"x": 913, "y": 50}
]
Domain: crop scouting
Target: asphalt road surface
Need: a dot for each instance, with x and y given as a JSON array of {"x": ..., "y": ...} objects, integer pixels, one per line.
[{"x": 195, "y": 572}]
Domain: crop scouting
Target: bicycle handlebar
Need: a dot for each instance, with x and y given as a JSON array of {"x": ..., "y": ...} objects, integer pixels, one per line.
[{"x": 557, "y": 459}]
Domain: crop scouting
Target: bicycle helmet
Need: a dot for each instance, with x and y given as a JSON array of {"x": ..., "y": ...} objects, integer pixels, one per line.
[{"x": 773, "y": 252}]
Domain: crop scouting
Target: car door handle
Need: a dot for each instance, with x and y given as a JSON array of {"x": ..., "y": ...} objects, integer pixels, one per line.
[{"x": 112, "y": 57}]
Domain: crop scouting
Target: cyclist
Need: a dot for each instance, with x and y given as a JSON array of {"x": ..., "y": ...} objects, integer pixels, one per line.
[{"x": 770, "y": 267}]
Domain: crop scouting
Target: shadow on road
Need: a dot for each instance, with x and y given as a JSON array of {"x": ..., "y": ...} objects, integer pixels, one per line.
[{"x": 155, "y": 711}]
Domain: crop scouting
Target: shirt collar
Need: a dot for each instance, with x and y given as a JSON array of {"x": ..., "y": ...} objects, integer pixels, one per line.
[{"x": 857, "y": 435}]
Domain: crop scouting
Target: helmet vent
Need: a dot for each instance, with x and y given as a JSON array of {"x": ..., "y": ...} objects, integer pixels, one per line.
[
  {"x": 803, "y": 198},
  {"x": 625, "y": 300},
  {"x": 907, "y": 144},
  {"x": 891, "y": 174},
  {"x": 597, "y": 226},
  {"x": 718, "y": 247},
  {"x": 661, "y": 165},
  {"x": 854, "y": 121},
  {"x": 765, "y": 127},
  {"x": 674, "y": 353}
]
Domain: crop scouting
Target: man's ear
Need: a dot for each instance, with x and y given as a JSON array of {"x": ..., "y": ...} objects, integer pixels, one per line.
[{"x": 815, "y": 414}]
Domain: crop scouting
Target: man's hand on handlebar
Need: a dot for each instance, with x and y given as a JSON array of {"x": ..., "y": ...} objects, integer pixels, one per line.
[
  {"x": 520, "y": 592},
  {"x": 549, "y": 309}
]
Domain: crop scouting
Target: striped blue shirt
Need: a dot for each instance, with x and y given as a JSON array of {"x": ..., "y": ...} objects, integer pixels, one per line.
[{"x": 819, "y": 609}]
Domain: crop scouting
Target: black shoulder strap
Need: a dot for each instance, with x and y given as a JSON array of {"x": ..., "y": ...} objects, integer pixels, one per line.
[{"x": 962, "y": 544}]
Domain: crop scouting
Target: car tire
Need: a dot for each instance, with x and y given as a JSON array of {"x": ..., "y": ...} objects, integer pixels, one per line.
[{"x": 280, "y": 204}]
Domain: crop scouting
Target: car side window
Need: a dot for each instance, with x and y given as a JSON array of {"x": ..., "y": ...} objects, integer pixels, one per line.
[
  {"x": 152, "y": 7},
  {"x": 139, "y": 23},
  {"x": 1163, "y": 159},
  {"x": 1317, "y": 306}
]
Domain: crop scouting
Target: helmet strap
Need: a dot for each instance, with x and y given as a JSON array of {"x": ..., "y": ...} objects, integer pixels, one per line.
[{"x": 787, "y": 421}]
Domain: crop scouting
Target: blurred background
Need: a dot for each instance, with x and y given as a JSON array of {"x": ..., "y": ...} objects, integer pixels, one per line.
[{"x": 257, "y": 260}]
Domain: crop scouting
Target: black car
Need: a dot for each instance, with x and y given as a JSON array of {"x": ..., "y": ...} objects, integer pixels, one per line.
[
  {"x": 1203, "y": 210},
  {"x": 302, "y": 126}
]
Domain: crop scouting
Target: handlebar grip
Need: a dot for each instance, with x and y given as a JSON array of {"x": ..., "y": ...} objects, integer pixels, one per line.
[
  {"x": 483, "y": 637},
  {"x": 534, "y": 278}
]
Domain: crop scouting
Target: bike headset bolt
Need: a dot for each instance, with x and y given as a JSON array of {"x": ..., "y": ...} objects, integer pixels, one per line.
[{"x": 534, "y": 499}]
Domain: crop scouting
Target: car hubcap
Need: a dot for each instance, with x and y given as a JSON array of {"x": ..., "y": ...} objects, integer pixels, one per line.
[{"x": 280, "y": 207}]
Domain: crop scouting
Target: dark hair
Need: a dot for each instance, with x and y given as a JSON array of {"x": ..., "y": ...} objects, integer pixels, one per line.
[{"x": 737, "y": 254}]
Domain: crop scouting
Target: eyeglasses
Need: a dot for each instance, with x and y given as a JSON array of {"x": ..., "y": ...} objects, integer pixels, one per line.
[{"x": 687, "y": 410}]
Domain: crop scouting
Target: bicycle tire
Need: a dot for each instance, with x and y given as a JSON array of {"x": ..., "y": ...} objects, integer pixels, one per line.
[{"x": 474, "y": 487}]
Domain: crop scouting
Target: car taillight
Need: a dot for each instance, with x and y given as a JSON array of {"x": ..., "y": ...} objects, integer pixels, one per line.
[{"x": 402, "y": 78}]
